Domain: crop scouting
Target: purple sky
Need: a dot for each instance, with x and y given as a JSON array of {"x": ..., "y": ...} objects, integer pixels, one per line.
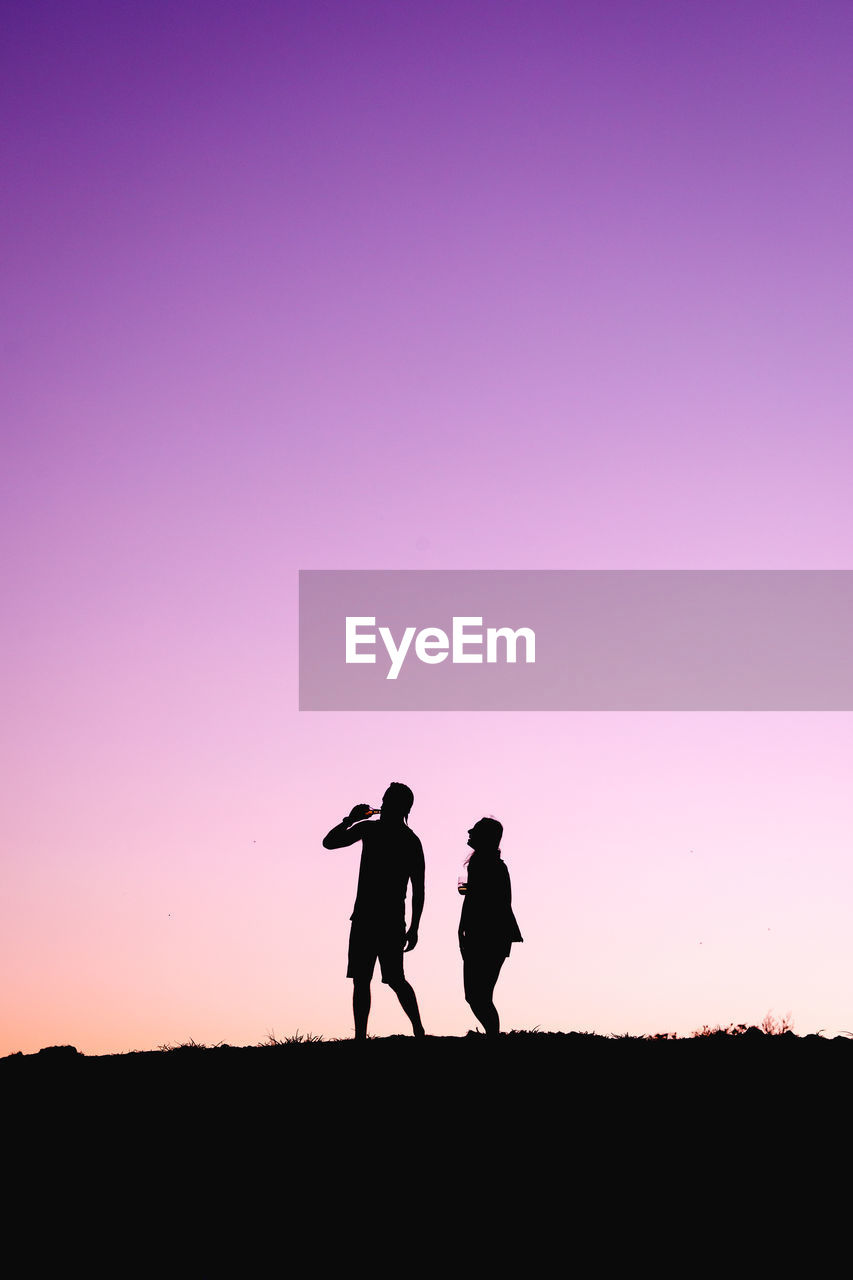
[{"x": 371, "y": 285}]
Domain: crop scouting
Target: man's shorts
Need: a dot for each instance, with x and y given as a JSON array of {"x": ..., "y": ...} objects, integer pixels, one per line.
[{"x": 369, "y": 942}]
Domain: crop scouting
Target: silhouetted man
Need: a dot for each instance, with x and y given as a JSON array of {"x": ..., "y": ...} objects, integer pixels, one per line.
[{"x": 391, "y": 856}]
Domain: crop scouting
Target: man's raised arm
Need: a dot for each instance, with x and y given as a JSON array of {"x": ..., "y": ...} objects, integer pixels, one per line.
[{"x": 345, "y": 833}]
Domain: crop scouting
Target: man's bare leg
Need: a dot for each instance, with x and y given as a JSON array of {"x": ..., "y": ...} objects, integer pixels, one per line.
[
  {"x": 405, "y": 994},
  {"x": 360, "y": 1007}
]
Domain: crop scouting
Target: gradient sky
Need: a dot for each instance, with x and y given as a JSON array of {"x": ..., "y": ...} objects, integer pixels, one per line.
[{"x": 375, "y": 285}]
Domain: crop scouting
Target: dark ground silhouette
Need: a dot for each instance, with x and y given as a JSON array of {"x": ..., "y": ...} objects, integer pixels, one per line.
[
  {"x": 306, "y": 1088},
  {"x": 619, "y": 1146}
]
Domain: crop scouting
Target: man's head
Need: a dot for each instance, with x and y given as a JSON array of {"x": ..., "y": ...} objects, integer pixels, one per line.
[
  {"x": 486, "y": 834},
  {"x": 397, "y": 801}
]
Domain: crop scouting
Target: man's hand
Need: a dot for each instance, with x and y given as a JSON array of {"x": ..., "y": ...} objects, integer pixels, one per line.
[
  {"x": 357, "y": 813},
  {"x": 345, "y": 832},
  {"x": 411, "y": 940}
]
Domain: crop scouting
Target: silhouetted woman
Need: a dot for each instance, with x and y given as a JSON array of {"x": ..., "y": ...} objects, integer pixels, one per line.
[{"x": 487, "y": 927}]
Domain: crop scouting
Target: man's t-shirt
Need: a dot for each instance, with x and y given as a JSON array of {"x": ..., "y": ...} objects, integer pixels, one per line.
[{"x": 390, "y": 856}]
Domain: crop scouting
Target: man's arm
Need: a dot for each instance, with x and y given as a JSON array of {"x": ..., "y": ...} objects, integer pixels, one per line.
[
  {"x": 345, "y": 833},
  {"x": 417, "y": 878}
]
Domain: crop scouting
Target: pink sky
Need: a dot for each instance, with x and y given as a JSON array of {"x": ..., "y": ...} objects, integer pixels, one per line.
[{"x": 376, "y": 286}]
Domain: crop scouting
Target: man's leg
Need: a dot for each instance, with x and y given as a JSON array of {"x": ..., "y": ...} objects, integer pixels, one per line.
[
  {"x": 405, "y": 994},
  {"x": 360, "y": 1006},
  {"x": 391, "y": 964},
  {"x": 362, "y": 958}
]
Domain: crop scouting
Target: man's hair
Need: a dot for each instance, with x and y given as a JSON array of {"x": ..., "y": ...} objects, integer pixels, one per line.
[{"x": 399, "y": 798}]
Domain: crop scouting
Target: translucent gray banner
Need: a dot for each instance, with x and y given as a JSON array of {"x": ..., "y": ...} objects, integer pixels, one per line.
[{"x": 576, "y": 640}]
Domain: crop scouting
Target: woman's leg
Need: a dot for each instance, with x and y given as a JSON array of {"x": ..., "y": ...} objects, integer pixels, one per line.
[{"x": 480, "y": 974}]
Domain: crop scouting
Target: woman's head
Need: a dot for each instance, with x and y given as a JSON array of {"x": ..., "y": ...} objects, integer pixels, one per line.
[{"x": 486, "y": 834}]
